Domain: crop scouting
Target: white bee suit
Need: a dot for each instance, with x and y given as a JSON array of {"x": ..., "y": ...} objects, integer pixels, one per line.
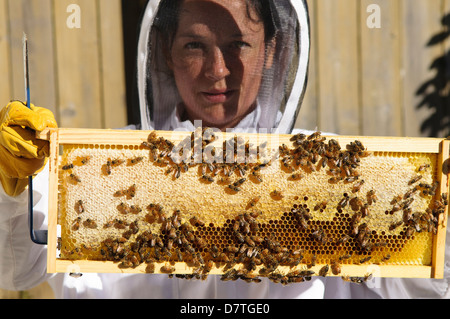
[{"x": 23, "y": 263}]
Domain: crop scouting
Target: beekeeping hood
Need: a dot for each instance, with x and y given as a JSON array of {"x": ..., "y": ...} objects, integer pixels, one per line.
[{"x": 282, "y": 87}]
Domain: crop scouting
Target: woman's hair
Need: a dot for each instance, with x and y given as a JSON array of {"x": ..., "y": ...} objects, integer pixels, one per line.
[{"x": 166, "y": 21}]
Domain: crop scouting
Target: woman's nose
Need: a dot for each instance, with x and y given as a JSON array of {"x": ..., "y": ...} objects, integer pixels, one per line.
[{"x": 216, "y": 66}]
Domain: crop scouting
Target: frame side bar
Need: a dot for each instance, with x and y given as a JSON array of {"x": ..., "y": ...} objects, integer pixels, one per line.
[
  {"x": 53, "y": 202},
  {"x": 440, "y": 238}
]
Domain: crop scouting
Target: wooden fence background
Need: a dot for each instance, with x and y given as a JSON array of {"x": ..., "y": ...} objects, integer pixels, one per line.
[
  {"x": 363, "y": 81},
  {"x": 367, "y": 81},
  {"x": 387, "y": 81},
  {"x": 78, "y": 73}
]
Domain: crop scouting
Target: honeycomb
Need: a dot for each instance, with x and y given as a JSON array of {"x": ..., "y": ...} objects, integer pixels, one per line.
[{"x": 247, "y": 206}]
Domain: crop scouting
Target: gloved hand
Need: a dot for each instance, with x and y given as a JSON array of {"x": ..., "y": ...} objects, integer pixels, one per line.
[{"x": 21, "y": 154}]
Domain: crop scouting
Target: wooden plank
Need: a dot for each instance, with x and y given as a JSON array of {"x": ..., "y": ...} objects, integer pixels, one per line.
[
  {"x": 380, "y": 80},
  {"x": 34, "y": 18},
  {"x": 78, "y": 66},
  {"x": 338, "y": 66},
  {"x": 85, "y": 266},
  {"x": 307, "y": 118},
  {"x": 384, "y": 144},
  {"x": 421, "y": 21},
  {"x": 7, "y": 294},
  {"x": 446, "y": 50},
  {"x": 439, "y": 240},
  {"x": 53, "y": 203},
  {"x": 5, "y": 64},
  {"x": 112, "y": 60}
]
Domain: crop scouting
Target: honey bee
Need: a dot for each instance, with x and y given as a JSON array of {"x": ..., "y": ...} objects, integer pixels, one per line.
[
  {"x": 134, "y": 209},
  {"x": 320, "y": 235},
  {"x": 357, "y": 280},
  {"x": 239, "y": 182},
  {"x": 365, "y": 210},
  {"x": 106, "y": 168},
  {"x": 357, "y": 186},
  {"x": 67, "y": 167},
  {"x": 298, "y": 137},
  {"x": 343, "y": 239},
  {"x": 415, "y": 179},
  {"x": 409, "y": 231},
  {"x": 76, "y": 224},
  {"x": 123, "y": 208},
  {"x": 371, "y": 197},
  {"x": 393, "y": 226},
  {"x": 74, "y": 179},
  {"x": 344, "y": 201},
  {"x": 230, "y": 275},
  {"x": 236, "y": 226},
  {"x": 365, "y": 259},
  {"x": 89, "y": 223},
  {"x": 131, "y": 191},
  {"x": 239, "y": 237},
  {"x": 195, "y": 221},
  {"x": 277, "y": 195},
  {"x": 432, "y": 191},
  {"x": 296, "y": 177},
  {"x": 150, "y": 268},
  {"x": 79, "y": 207},
  {"x": 177, "y": 173},
  {"x": 207, "y": 178},
  {"x": 120, "y": 224},
  {"x": 119, "y": 193},
  {"x": 335, "y": 179},
  {"x": 423, "y": 167},
  {"x": 396, "y": 199},
  {"x": 321, "y": 206},
  {"x": 82, "y": 160},
  {"x": 116, "y": 162},
  {"x": 356, "y": 203},
  {"x": 314, "y": 136},
  {"x": 335, "y": 267},
  {"x": 232, "y": 249},
  {"x": 344, "y": 257},
  {"x": 253, "y": 202},
  {"x": 108, "y": 224},
  {"x": 351, "y": 179},
  {"x": 200, "y": 242},
  {"x": 386, "y": 257},
  {"x": 324, "y": 271},
  {"x": 256, "y": 175},
  {"x": 135, "y": 160},
  {"x": 444, "y": 197},
  {"x": 257, "y": 239},
  {"x": 249, "y": 241},
  {"x": 167, "y": 269},
  {"x": 234, "y": 188}
]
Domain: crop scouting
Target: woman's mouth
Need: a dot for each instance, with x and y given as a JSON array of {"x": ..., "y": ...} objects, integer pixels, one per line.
[{"x": 217, "y": 96}]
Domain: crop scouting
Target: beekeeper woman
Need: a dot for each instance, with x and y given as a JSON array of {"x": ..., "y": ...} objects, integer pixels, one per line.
[{"x": 231, "y": 64}]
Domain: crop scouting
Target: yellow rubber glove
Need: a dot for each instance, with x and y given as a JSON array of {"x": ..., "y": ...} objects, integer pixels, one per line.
[{"x": 21, "y": 154}]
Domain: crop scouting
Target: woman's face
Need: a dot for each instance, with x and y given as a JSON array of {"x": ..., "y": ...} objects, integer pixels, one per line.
[{"x": 217, "y": 58}]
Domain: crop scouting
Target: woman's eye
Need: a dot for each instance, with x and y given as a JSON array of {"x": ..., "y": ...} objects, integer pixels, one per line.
[
  {"x": 240, "y": 44},
  {"x": 193, "y": 45}
]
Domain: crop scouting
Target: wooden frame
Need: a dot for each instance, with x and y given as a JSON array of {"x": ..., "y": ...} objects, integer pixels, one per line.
[{"x": 59, "y": 137}]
